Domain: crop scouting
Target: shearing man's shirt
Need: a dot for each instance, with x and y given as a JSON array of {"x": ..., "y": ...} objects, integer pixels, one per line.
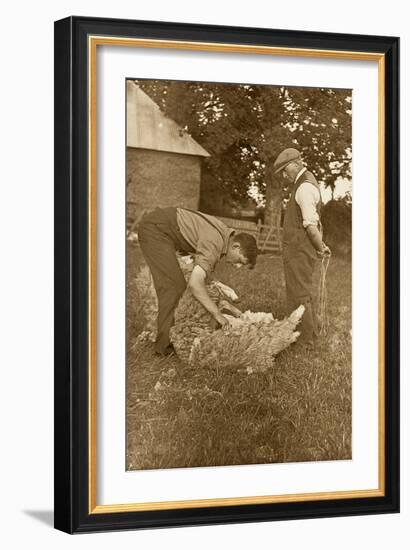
[
  {"x": 207, "y": 235},
  {"x": 307, "y": 197}
]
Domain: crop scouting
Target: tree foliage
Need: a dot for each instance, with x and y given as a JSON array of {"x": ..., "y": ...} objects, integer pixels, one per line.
[
  {"x": 244, "y": 127},
  {"x": 336, "y": 219}
]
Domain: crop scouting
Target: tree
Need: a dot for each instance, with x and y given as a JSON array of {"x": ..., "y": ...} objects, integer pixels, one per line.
[
  {"x": 337, "y": 225},
  {"x": 244, "y": 127},
  {"x": 320, "y": 122}
]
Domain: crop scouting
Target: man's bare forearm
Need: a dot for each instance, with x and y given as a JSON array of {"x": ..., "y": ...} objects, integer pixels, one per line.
[
  {"x": 198, "y": 288},
  {"x": 315, "y": 237},
  {"x": 201, "y": 294}
]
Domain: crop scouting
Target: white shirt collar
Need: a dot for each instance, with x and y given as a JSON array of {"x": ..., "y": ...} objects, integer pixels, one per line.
[{"x": 300, "y": 173}]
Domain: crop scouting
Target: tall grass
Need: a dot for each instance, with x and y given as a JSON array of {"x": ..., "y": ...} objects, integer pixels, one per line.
[{"x": 300, "y": 410}]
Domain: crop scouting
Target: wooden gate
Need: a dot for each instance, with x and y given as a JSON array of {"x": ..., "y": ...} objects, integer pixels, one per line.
[{"x": 268, "y": 237}]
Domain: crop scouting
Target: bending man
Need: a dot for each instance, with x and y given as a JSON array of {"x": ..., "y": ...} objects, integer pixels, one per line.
[{"x": 165, "y": 231}]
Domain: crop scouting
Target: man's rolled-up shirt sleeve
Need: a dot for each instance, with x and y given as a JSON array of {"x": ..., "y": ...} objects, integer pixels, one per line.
[
  {"x": 208, "y": 253},
  {"x": 308, "y": 197}
]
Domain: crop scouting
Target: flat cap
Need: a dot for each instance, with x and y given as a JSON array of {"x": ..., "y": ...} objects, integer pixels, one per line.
[{"x": 284, "y": 158}]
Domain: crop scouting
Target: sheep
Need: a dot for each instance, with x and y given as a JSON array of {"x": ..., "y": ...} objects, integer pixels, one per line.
[
  {"x": 192, "y": 320},
  {"x": 148, "y": 301},
  {"x": 250, "y": 340}
]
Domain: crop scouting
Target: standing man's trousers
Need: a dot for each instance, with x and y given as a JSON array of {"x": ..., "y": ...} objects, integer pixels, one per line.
[
  {"x": 160, "y": 238},
  {"x": 299, "y": 267}
]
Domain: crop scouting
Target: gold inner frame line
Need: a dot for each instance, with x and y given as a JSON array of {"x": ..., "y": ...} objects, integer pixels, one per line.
[{"x": 93, "y": 42}]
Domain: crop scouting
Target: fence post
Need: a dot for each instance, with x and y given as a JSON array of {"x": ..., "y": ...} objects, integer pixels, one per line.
[{"x": 267, "y": 237}]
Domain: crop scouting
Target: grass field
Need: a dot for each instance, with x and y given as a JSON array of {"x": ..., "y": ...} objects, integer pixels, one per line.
[{"x": 300, "y": 410}]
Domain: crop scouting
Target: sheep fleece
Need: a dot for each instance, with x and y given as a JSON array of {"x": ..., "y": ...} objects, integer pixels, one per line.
[{"x": 251, "y": 340}]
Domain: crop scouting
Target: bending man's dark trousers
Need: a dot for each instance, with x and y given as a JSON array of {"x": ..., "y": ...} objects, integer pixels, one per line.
[
  {"x": 299, "y": 267},
  {"x": 160, "y": 239}
]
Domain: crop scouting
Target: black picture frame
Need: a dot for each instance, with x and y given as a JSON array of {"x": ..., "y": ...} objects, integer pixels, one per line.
[{"x": 72, "y": 466}]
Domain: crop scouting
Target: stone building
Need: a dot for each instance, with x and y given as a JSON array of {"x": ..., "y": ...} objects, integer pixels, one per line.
[{"x": 163, "y": 160}]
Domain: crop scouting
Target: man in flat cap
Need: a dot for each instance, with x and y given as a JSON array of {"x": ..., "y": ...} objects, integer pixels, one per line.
[
  {"x": 162, "y": 233},
  {"x": 302, "y": 238}
]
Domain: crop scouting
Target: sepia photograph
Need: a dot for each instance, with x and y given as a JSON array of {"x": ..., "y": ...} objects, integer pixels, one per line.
[{"x": 239, "y": 274}]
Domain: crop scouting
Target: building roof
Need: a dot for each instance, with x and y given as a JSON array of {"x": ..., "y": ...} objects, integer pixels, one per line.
[{"x": 149, "y": 128}]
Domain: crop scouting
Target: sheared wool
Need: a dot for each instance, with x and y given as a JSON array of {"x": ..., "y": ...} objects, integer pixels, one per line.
[{"x": 250, "y": 341}]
